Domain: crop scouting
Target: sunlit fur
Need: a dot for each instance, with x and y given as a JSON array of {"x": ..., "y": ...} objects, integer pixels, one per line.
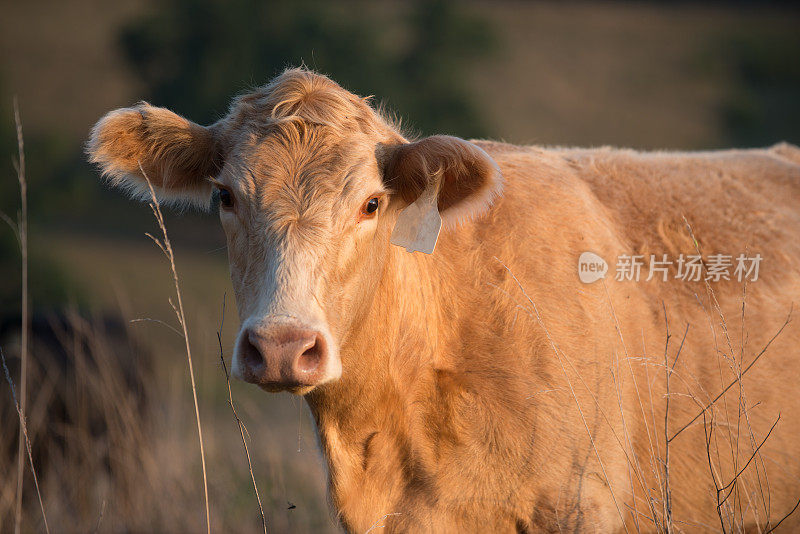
[
  {"x": 172, "y": 151},
  {"x": 484, "y": 388}
]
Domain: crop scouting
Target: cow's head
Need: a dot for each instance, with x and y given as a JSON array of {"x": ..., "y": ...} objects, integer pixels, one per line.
[{"x": 310, "y": 181}]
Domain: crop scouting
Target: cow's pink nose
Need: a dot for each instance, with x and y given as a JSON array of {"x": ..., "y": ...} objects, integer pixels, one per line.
[{"x": 282, "y": 356}]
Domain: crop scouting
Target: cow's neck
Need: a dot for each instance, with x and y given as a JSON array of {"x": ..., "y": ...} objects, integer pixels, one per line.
[{"x": 371, "y": 422}]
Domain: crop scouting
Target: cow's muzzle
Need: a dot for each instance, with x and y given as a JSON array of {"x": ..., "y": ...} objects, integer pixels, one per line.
[{"x": 284, "y": 356}]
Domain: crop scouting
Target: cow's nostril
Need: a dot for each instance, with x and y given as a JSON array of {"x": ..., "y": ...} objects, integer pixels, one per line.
[
  {"x": 312, "y": 358},
  {"x": 252, "y": 358}
]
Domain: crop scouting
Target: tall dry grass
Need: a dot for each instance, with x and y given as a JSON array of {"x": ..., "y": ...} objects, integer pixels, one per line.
[
  {"x": 20, "y": 230},
  {"x": 166, "y": 247},
  {"x": 115, "y": 445}
]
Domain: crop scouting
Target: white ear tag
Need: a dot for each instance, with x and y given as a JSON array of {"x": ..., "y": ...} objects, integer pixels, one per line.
[{"x": 418, "y": 225}]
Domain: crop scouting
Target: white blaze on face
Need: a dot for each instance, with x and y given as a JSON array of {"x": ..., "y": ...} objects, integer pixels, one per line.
[{"x": 278, "y": 299}]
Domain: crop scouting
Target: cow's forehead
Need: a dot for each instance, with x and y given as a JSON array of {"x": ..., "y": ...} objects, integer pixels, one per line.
[
  {"x": 301, "y": 177},
  {"x": 293, "y": 157}
]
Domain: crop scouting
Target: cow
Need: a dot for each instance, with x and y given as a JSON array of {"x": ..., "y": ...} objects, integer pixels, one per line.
[{"x": 519, "y": 378}]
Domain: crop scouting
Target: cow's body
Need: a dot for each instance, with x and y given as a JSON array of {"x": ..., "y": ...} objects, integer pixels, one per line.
[
  {"x": 471, "y": 418},
  {"x": 485, "y": 388}
]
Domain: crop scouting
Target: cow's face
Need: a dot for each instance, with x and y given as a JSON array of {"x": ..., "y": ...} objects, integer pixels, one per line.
[
  {"x": 307, "y": 229},
  {"x": 310, "y": 181}
]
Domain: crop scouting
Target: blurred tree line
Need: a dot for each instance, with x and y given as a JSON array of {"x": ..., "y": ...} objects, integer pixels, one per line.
[
  {"x": 194, "y": 55},
  {"x": 764, "y": 102}
]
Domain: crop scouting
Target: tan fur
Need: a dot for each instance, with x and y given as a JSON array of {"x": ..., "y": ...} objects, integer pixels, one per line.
[
  {"x": 484, "y": 388},
  {"x": 171, "y": 150}
]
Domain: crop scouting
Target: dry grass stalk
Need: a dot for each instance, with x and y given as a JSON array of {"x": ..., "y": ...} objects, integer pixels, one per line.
[
  {"x": 239, "y": 422},
  {"x": 736, "y": 381},
  {"x": 727, "y": 507},
  {"x": 23, "y": 428},
  {"x": 668, "y": 370},
  {"x": 634, "y": 465},
  {"x": 166, "y": 248},
  {"x": 22, "y": 234}
]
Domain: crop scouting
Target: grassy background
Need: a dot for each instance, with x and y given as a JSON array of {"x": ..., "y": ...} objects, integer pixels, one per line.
[{"x": 644, "y": 75}]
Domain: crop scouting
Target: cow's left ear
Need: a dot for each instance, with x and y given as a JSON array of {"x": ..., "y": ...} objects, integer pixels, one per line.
[{"x": 467, "y": 178}]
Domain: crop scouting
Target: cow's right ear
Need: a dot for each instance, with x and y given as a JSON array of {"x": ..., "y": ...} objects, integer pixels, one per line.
[{"x": 176, "y": 154}]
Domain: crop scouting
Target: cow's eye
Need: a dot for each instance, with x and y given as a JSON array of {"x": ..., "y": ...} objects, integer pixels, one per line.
[
  {"x": 225, "y": 198},
  {"x": 369, "y": 208}
]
